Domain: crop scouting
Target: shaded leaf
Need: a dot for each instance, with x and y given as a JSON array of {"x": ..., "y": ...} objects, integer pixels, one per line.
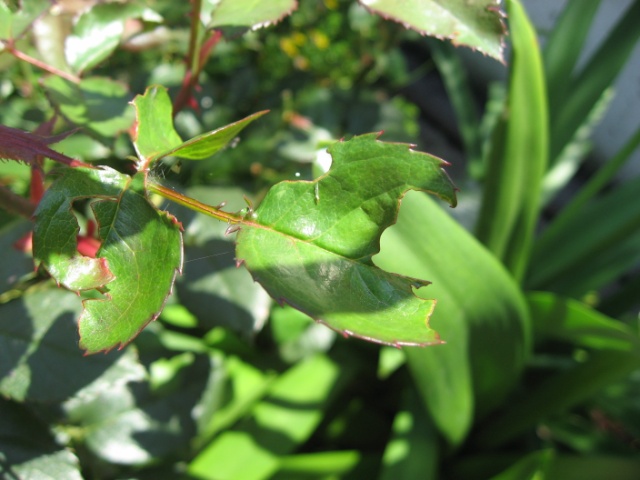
[
  {"x": 211, "y": 287},
  {"x": 476, "y": 23},
  {"x": 129, "y": 424},
  {"x": 310, "y": 243},
  {"x": 517, "y": 157},
  {"x": 38, "y": 341},
  {"x": 98, "y": 104},
  {"x": 613, "y": 352},
  {"x": 27, "y": 449},
  {"x": 136, "y": 265}
]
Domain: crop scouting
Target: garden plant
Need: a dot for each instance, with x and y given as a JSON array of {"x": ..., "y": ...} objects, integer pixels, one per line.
[{"x": 225, "y": 258}]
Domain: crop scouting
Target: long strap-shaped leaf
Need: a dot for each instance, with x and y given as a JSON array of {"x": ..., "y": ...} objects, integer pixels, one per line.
[{"x": 518, "y": 157}]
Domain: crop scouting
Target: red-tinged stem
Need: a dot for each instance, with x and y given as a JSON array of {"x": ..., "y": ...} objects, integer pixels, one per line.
[
  {"x": 194, "y": 204},
  {"x": 196, "y": 58},
  {"x": 9, "y": 46}
]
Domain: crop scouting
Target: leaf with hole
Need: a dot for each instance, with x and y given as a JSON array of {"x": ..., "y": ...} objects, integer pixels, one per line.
[{"x": 310, "y": 244}]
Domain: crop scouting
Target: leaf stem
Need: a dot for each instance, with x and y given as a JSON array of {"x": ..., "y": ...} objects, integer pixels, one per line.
[
  {"x": 194, "y": 204},
  {"x": 10, "y": 47}
]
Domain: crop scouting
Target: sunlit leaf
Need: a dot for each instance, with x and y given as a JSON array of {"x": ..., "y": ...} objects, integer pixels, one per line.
[
  {"x": 156, "y": 137},
  {"x": 473, "y": 23},
  {"x": 141, "y": 252},
  {"x": 39, "y": 344},
  {"x": 310, "y": 243},
  {"x": 27, "y": 449},
  {"x": 250, "y": 13}
]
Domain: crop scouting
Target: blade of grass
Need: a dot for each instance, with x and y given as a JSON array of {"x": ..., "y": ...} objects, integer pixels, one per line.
[
  {"x": 585, "y": 88},
  {"x": 602, "y": 225},
  {"x": 614, "y": 351},
  {"x": 518, "y": 157},
  {"x": 565, "y": 45}
]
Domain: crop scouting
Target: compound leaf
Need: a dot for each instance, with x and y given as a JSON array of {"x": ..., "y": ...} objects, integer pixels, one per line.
[
  {"x": 310, "y": 244},
  {"x": 140, "y": 253},
  {"x": 250, "y": 13}
]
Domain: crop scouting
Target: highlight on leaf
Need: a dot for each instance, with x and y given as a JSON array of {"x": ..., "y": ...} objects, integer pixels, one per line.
[{"x": 310, "y": 244}]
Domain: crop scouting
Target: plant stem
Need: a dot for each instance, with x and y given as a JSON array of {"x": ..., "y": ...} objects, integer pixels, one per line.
[
  {"x": 194, "y": 204},
  {"x": 10, "y": 47}
]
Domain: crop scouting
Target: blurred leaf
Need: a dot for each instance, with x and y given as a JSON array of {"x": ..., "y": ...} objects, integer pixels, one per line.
[
  {"x": 39, "y": 343},
  {"x": 99, "y": 104},
  {"x": 320, "y": 465},
  {"x": 518, "y": 154},
  {"x": 14, "y": 21},
  {"x": 565, "y": 46},
  {"x": 16, "y": 263},
  {"x": 140, "y": 254},
  {"x": 613, "y": 352},
  {"x": 27, "y": 450},
  {"x": 594, "y": 467},
  {"x": 97, "y": 33},
  {"x": 598, "y": 251},
  {"x": 412, "y": 451},
  {"x": 212, "y": 287},
  {"x": 318, "y": 237},
  {"x": 586, "y": 87},
  {"x": 478, "y": 302},
  {"x": 128, "y": 424},
  {"x": 283, "y": 420},
  {"x": 476, "y": 24},
  {"x": 252, "y": 14},
  {"x": 532, "y": 467}
]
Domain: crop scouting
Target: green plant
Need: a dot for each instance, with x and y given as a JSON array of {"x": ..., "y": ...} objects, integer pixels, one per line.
[{"x": 221, "y": 396}]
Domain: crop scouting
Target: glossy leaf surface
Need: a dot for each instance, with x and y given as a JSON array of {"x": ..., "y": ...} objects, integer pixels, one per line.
[
  {"x": 473, "y": 23},
  {"x": 310, "y": 243},
  {"x": 156, "y": 137},
  {"x": 136, "y": 265}
]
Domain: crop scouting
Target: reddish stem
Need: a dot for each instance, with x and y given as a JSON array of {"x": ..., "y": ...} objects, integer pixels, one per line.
[{"x": 10, "y": 47}]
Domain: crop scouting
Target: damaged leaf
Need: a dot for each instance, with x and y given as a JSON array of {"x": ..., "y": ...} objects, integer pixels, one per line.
[
  {"x": 310, "y": 244},
  {"x": 136, "y": 265}
]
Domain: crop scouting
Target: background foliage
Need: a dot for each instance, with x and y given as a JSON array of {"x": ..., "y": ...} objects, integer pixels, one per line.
[{"x": 536, "y": 288}]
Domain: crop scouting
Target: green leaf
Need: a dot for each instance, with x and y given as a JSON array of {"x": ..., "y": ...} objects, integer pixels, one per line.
[
  {"x": 252, "y": 14},
  {"x": 310, "y": 243},
  {"x": 99, "y": 104},
  {"x": 97, "y": 33},
  {"x": 13, "y": 22},
  {"x": 613, "y": 352},
  {"x": 478, "y": 302},
  {"x": 156, "y": 137},
  {"x": 518, "y": 154},
  {"x": 476, "y": 23},
  {"x": 27, "y": 449},
  {"x": 282, "y": 421},
  {"x": 130, "y": 424},
  {"x": 39, "y": 344},
  {"x": 135, "y": 268}
]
